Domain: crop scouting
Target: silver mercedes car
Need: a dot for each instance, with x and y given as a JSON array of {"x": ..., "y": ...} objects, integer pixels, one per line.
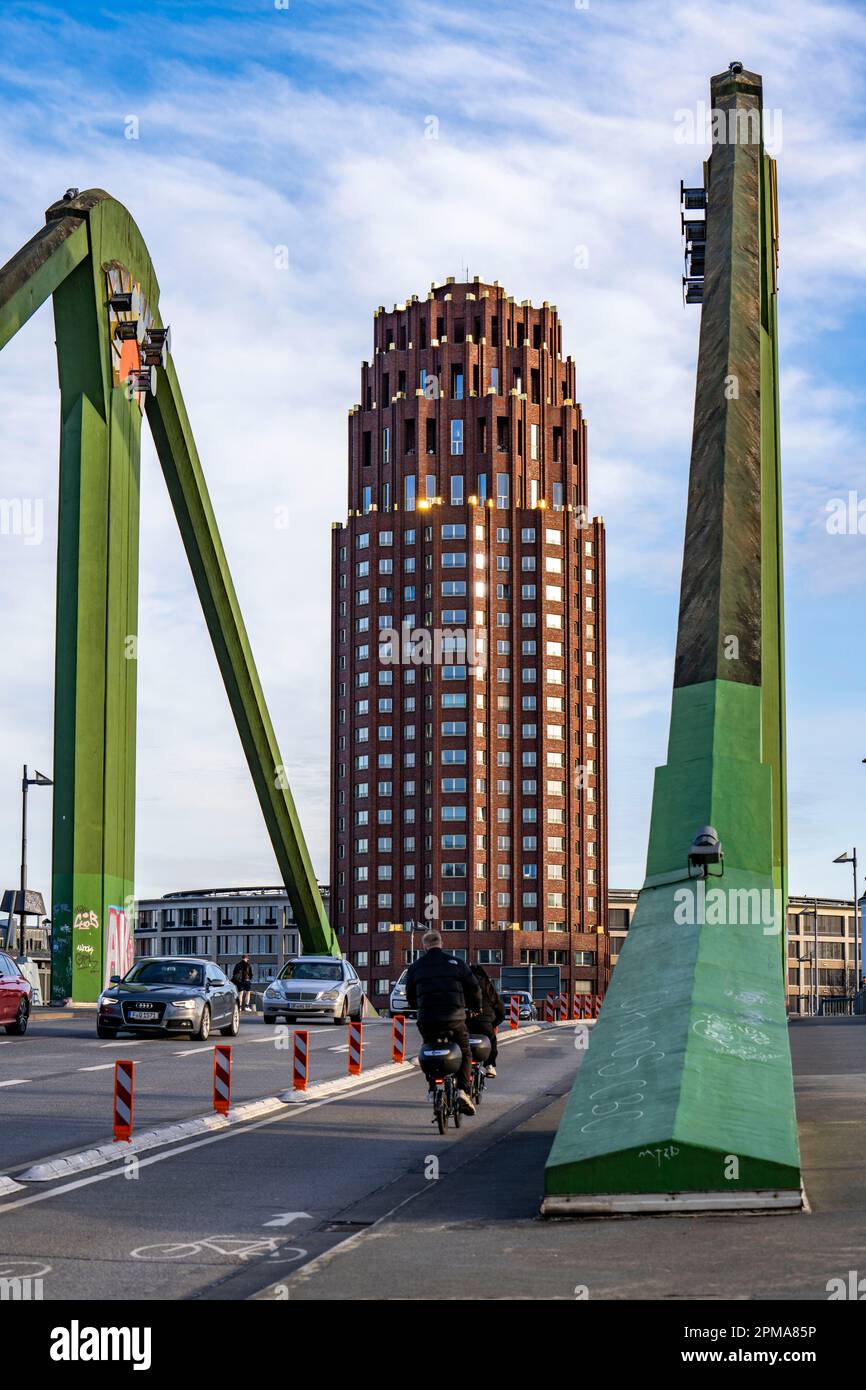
[
  {"x": 169, "y": 994},
  {"x": 311, "y": 986}
]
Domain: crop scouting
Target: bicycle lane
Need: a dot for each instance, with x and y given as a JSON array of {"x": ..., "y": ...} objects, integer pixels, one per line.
[{"x": 227, "y": 1216}]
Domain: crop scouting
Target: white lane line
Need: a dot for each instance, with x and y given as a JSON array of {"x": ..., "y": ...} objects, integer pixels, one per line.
[
  {"x": 350, "y": 1093},
  {"x": 197, "y": 1144},
  {"x": 125, "y": 1043},
  {"x": 103, "y": 1066},
  {"x": 16, "y": 1081},
  {"x": 195, "y": 1052},
  {"x": 344, "y": 1048}
]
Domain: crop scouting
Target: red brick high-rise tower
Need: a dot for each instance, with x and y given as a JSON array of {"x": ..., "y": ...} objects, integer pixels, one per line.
[{"x": 468, "y": 738}]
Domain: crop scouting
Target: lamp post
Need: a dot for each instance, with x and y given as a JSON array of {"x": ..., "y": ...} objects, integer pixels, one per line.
[
  {"x": 852, "y": 859},
  {"x": 40, "y": 780}
]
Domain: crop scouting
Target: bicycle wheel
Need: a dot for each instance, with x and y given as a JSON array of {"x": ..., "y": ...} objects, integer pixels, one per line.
[
  {"x": 455, "y": 1106},
  {"x": 440, "y": 1109}
]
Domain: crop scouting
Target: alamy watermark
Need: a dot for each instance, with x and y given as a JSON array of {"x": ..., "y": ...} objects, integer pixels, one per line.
[
  {"x": 702, "y": 124},
  {"x": 22, "y": 516},
  {"x": 699, "y": 906}
]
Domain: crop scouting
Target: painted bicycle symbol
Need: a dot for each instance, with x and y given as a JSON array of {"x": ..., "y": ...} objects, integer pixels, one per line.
[{"x": 237, "y": 1247}]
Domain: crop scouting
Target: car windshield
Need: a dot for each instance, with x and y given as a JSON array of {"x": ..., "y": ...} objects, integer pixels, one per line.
[
  {"x": 311, "y": 970},
  {"x": 165, "y": 972},
  {"x": 402, "y": 980}
]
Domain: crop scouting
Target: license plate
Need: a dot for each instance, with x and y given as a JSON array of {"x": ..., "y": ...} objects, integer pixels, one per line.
[{"x": 141, "y": 1013}]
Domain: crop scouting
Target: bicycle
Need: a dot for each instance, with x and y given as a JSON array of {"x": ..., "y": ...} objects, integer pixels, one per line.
[{"x": 440, "y": 1062}]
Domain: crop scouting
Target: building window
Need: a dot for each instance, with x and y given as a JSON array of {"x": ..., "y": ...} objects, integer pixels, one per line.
[{"x": 457, "y": 436}]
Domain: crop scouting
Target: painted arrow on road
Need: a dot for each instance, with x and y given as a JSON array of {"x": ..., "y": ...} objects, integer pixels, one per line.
[{"x": 285, "y": 1218}]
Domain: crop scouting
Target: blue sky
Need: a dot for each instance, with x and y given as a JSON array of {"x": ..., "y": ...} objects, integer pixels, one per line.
[{"x": 260, "y": 127}]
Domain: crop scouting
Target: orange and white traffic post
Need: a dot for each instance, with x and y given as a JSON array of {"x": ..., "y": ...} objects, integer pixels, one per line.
[
  {"x": 548, "y": 1009},
  {"x": 398, "y": 1039},
  {"x": 356, "y": 1048},
  {"x": 300, "y": 1059},
  {"x": 124, "y": 1084},
  {"x": 514, "y": 1014},
  {"x": 597, "y": 1005},
  {"x": 563, "y": 1008},
  {"x": 222, "y": 1078}
]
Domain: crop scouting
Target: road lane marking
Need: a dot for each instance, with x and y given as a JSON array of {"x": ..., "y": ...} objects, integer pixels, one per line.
[
  {"x": 103, "y": 1066},
  {"x": 16, "y": 1081},
  {"x": 361, "y": 1087}
]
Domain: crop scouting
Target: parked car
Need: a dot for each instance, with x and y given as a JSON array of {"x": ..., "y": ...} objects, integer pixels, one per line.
[
  {"x": 527, "y": 1007},
  {"x": 397, "y": 1003},
  {"x": 16, "y": 994},
  {"x": 170, "y": 994},
  {"x": 308, "y": 986}
]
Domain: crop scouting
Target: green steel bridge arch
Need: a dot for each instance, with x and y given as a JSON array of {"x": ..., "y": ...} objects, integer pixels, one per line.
[{"x": 91, "y": 258}]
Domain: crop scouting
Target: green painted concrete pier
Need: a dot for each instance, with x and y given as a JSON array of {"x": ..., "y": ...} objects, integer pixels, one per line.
[{"x": 684, "y": 1099}]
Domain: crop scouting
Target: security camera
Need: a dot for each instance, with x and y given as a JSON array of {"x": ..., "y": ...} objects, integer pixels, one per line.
[
  {"x": 735, "y": 68},
  {"x": 705, "y": 850}
]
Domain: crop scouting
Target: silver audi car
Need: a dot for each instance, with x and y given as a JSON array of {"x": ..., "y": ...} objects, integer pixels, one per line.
[
  {"x": 314, "y": 986},
  {"x": 169, "y": 994}
]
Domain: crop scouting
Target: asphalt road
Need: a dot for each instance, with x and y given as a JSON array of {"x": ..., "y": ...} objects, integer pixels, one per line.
[
  {"x": 227, "y": 1215},
  {"x": 358, "y": 1197},
  {"x": 57, "y": 1082}
]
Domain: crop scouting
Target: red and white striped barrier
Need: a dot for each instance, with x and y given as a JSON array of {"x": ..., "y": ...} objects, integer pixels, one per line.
[
  {"x": 398, "y": 1039},
  {"x": 548, "y": 1009},
  {"x": 301, "y": 1063},
  {"x": 356, "y": 1048},
  {"x": 598, "y": 998},
  {"x": 124, "y": 1084},
  {"x": 575, "y": 1005},
  {"x": 514, "y": 1012},
  {"x": 563, "y": 1008},
  {"x": 222, "y": 1078}
]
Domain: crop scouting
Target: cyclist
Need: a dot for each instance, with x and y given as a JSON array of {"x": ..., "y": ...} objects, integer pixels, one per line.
[
  {"x": 491, "y": 1014},
  {"x": 442, "y": 988}
]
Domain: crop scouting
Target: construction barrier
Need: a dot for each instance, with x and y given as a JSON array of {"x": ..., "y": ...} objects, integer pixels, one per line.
[
  {"x": 222, "y": 1078},
  {"x": 514, "y": 1018},
  {"x": 356, "y": 1048},
  {"x": 124, "y": 1082},
  {"x": 548, "y": 1009},
  {"x": 563, "y": 1008},
  {"x": 301, "y": 1064},
  {"x": 575, "y": 1006},
  {"x": 597, "y": 1005},
  {"x": 398, "y": 1039}
]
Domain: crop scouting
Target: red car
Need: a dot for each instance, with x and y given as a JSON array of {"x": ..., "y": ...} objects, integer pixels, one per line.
[{"x": 15, "y": 994}]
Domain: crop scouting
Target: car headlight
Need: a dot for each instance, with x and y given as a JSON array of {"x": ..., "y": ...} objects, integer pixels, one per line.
[
  {"x": 330, "y": 995},
  {"x": 185, "y": 1003},
  {"x": 271, "y": 989}
]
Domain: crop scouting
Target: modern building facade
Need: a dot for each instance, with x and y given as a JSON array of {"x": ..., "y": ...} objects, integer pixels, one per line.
[
  {"x": 468, "y": 741},
  {"x": 827, "y": 923},
  {"x": 221, "y": 924}
]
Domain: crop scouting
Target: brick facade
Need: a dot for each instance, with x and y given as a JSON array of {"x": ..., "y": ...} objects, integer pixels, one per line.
[{"x": 464, "y": 784}]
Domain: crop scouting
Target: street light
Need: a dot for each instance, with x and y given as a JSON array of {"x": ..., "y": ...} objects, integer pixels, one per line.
[
  {"x": 852, "y": 859},
  {"x": 40, "y": 780}
]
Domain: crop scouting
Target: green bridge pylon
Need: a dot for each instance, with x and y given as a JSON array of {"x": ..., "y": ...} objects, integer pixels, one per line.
[
  {"x": 684, "y": 1099},
  {"x": 114, "y": 363}
]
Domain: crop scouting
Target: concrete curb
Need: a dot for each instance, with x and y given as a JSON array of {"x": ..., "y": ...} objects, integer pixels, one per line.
[{"x": 112, "y": 1152}]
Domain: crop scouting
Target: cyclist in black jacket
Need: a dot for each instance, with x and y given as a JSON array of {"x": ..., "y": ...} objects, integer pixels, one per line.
[
  {"x": 442, "y": 988},
  {"x": 490, "y": 1015}
]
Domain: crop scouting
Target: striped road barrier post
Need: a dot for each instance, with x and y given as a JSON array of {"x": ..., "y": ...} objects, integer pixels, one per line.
[
  {"x": 301, "y": 1059},
  {"x": 514, "y": 1012},
  {"x": 356, "y": 1048},
  {"x": 124, "y": 1084},
  {"x": 398, "y": 1039},
  {"x": 548, "y": 1009},
  {"x": 597, "y": 1005},
  {"x": 222, "y": 1078},
  {"x": 563, "y": 1008}
]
